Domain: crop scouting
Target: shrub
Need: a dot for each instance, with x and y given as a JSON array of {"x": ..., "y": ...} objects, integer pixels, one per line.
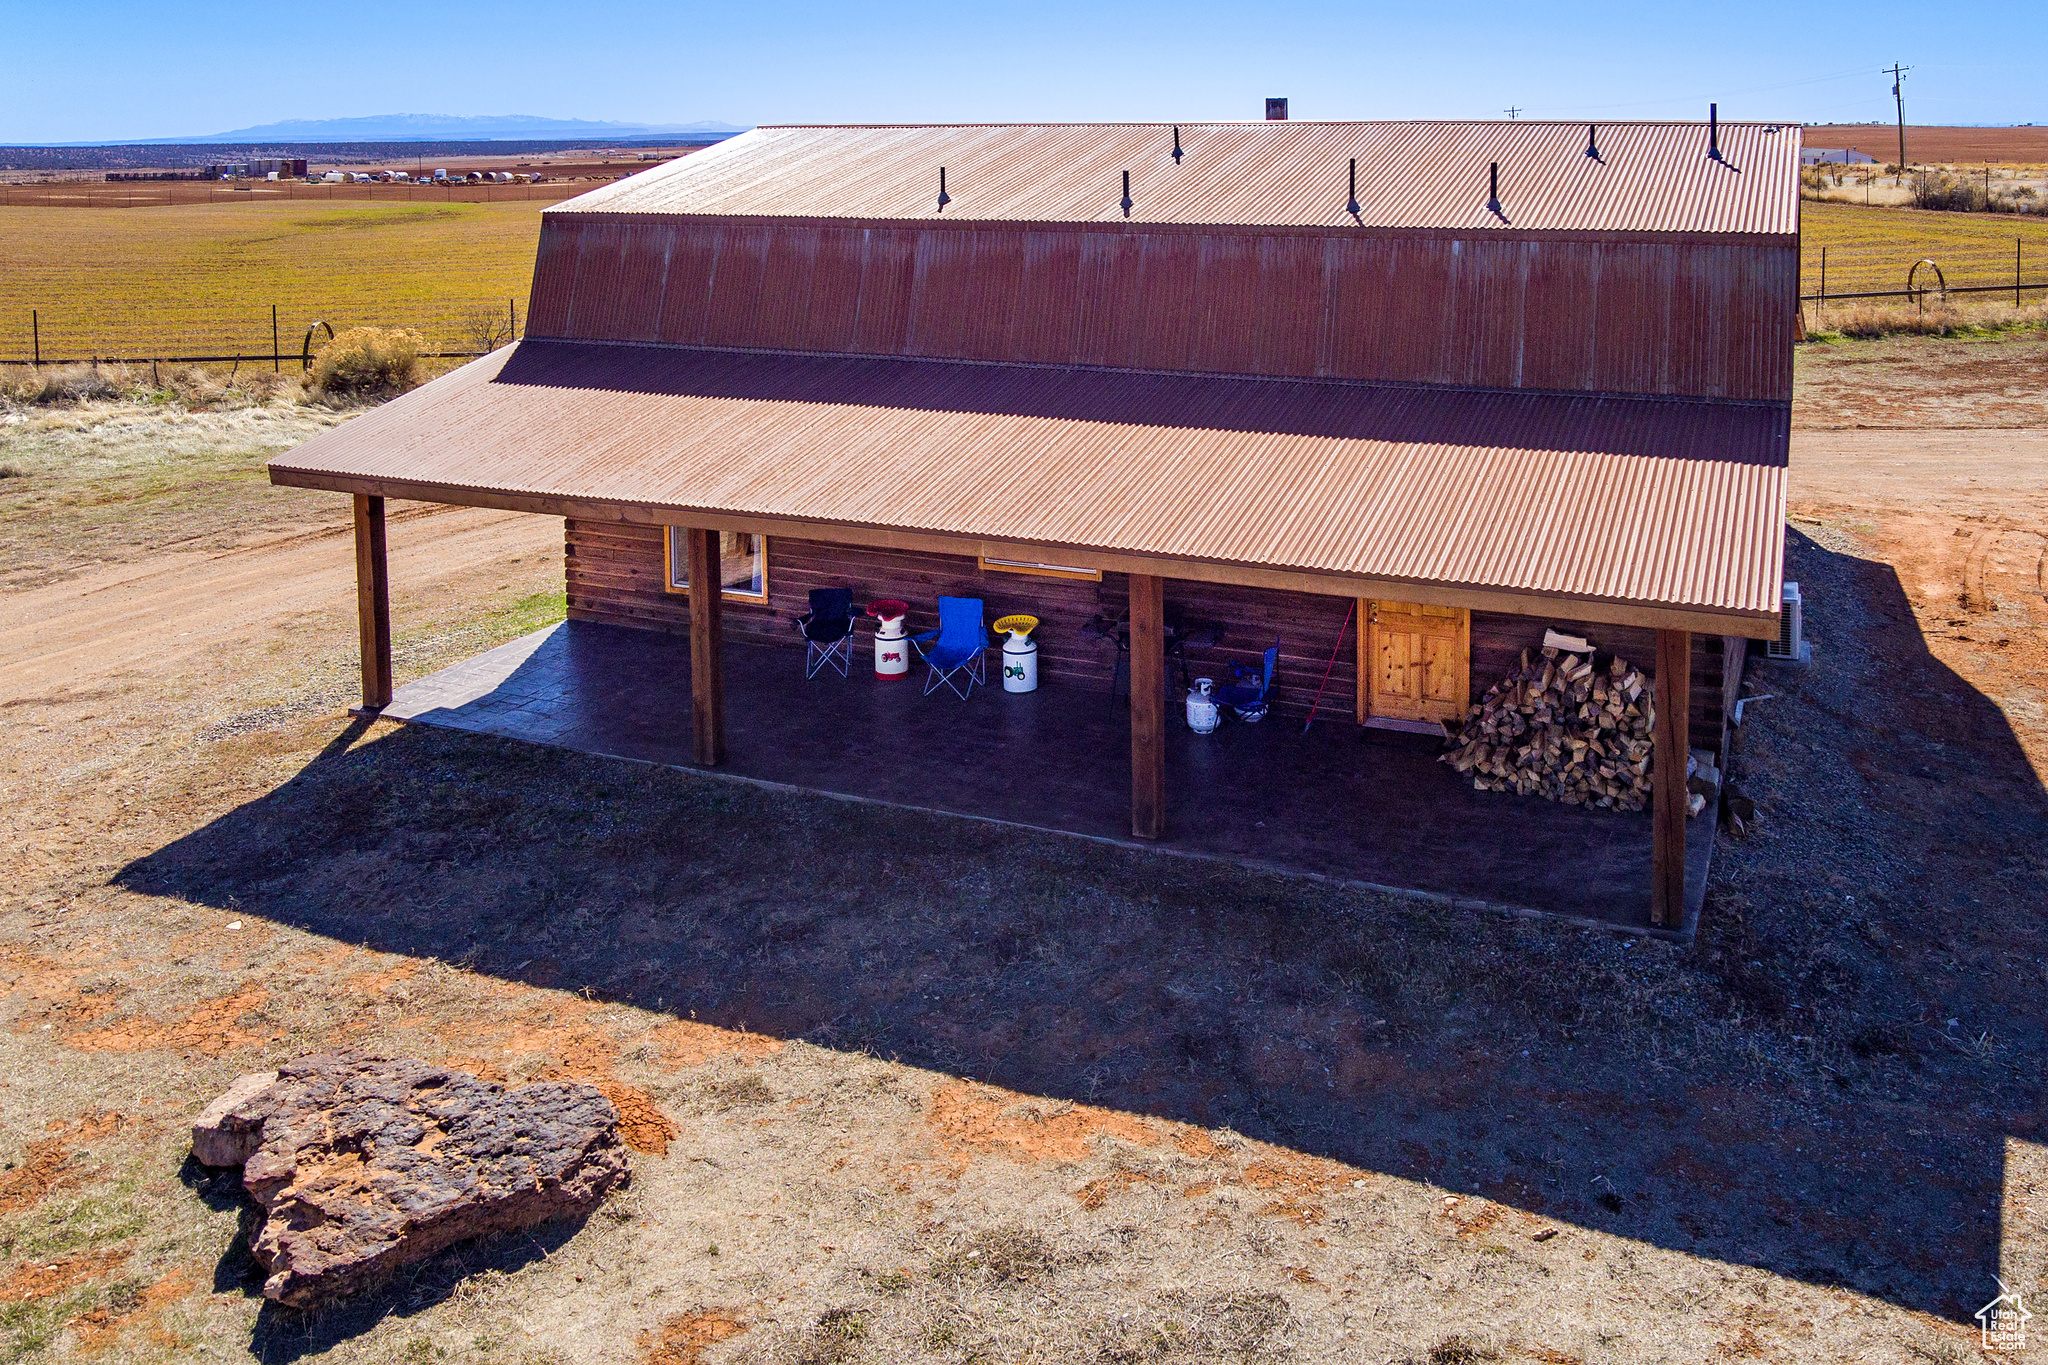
[
  {"x": 67, "y": 384},
  {"x": 1961, "y": 194},
  {"x": 485, "y": 328},
  {"x": 1867, "y": 322},
  {"x": 368, "y": 361}
]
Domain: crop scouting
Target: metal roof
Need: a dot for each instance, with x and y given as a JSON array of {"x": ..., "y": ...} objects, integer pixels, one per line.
[
  {"x": 1649, "y": 177},
  {"x": 1654, "y": 502}
]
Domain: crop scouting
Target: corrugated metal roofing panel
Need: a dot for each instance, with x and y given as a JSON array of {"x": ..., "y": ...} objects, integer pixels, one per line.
[
  {"x": 1656, "y": 502},
  {"x": 1649, "y": 177},
  {"x": 1702, "y": 318}
]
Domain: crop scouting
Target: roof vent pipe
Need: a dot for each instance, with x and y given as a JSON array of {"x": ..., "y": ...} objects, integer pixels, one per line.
[
  {"x": 1176, "y": 144},
  {"x": 1713, "y": 132},
  {"x": 944, "y": 198},
  {"x": 1593, "y": 141},
  {"x": 1493, "y": 187},
  {"x": 1127, "y": 194},
  {"x": 1352, "y": 206}
]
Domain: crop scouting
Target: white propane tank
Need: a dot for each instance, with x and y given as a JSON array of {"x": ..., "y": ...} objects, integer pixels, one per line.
[
  {"x": 892, "y": 643},
  {"x": 1203, "y": 713},
  {"x": 1020, "y": 653}
]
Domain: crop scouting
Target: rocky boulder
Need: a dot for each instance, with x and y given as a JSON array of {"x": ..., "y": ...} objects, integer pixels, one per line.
[{"x": 364, "y": 1164}]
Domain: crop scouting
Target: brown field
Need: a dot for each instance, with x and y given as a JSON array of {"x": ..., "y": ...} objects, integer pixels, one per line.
[
  {"x": 955, "y": 1092},
  {"x": 93, "y": 194},
  {"x": 1932, "y": 144}
]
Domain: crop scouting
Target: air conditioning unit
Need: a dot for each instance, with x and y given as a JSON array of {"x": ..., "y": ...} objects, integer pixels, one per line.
[{"x": 1791, "y": 642}]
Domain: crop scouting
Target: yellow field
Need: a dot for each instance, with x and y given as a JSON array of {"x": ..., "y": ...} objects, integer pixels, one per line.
[
  {"x": 1873, "y": 248},
  {"x": 200, "y": 279}
]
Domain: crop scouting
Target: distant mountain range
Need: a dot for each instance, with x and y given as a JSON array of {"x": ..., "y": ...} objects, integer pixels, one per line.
[{"x": 443, "y": 128}]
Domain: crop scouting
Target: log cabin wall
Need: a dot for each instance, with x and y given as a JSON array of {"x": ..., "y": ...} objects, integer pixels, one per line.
[
  {"x": 615, "y": 573},
  {"x": 1701, "y": 317}
]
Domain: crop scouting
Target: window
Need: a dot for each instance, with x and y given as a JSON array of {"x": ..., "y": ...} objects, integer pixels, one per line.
[
  {"x": 1033, "y": 566},
  {"x": 742, "y": 563}
]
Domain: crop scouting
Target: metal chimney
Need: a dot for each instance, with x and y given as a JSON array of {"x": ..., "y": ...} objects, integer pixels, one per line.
[{"x": 1276, "y": 109}]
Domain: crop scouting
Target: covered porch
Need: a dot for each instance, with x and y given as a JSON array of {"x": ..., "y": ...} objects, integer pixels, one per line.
[
  {"x": 1659, "y": 518},
  {"x": 1356, "y": 805}
]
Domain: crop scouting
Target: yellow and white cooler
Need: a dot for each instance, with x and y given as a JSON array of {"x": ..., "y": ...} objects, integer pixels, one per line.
[{"x": 1020, "y": 653}]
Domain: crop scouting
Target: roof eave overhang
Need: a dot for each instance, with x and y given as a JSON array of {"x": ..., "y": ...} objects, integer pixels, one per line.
[{"x": 1477, "y": 597}]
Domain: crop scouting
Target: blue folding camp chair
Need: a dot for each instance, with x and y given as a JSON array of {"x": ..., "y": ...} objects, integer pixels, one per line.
[
  {"x": 1248, "y": 695},
  {"x": 828, "y": 626},
  {"x": 956, "y": 660}
]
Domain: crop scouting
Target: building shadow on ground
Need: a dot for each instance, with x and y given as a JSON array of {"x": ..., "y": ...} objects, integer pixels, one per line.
[{"x": 1786, "y": 1093}]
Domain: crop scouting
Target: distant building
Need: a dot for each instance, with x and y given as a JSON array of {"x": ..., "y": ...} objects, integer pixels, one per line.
[{"x": 1818, "y": 156}]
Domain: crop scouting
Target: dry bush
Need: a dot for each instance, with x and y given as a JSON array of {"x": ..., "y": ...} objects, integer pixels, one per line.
[
  {"x": 197, "y": 388},
  {"x": 1869, "y": 321},
  {"x": 83, "y": 383},
  {"x": 368, "y": 362},
  {"x": 200, "y": 387},
  {"x": 485, "y": 328},
  {"x": 1952, "y": 193}
]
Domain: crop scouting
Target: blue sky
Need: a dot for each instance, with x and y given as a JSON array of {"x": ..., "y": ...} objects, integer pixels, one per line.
[{"x": 119, "y": 68}]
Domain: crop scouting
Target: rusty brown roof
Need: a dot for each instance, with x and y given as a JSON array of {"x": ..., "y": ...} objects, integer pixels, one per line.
[
  {"x": 1650, "y": 177},
  {"x": 1657, "y": 503}
]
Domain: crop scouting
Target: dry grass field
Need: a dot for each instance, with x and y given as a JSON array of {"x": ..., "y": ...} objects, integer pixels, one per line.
[
  {"x": 200, "y": 279},
  {"x": 960, "y": 1093}
]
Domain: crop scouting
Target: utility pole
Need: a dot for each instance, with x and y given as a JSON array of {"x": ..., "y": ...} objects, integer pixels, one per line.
[
  {"x": 1898, "y": 74},
  {"x": 1512, "y": 111}
]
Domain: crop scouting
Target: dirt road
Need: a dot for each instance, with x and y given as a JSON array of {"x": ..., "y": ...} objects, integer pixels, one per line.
[{"x": 156, "y": 615}]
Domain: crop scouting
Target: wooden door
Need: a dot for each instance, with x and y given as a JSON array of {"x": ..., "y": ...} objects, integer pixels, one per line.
[{"x": 1415, "y": 661}]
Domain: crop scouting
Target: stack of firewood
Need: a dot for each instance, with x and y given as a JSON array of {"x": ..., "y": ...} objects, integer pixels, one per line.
[{"x": 1562, "y": 729}]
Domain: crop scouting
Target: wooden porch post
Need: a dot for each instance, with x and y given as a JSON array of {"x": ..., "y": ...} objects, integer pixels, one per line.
[
  {"x": 1365, "y": 659},
  {"x": 373, "y": 602},
  {"x": 707, "y": 654},
  {"x": 1148, "y": 706},
  {"x": 1670, "y": 744}
]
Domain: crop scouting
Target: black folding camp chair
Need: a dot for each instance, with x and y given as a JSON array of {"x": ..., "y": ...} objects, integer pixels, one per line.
[{"x": 828, "y": 629}]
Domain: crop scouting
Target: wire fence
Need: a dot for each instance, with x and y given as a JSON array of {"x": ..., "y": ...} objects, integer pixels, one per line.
[
  {"x": 279, "y": 340},
  {"x": 1911, "y": 267}
]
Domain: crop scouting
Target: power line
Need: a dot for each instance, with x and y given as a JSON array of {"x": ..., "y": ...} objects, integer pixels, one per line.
[
  {"x": 1710, "y": 94},
  {"x": 1512, "y": 111}
]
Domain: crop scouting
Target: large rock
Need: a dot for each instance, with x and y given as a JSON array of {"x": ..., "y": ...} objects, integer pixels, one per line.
[{"x": 365, "y": 1164}]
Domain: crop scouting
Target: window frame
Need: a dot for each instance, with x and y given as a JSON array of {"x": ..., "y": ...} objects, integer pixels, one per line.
[{"x": 668, "y": 569}]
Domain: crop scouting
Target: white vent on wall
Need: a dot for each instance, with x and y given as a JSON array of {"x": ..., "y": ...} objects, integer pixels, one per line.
[{"x": 1791, "y": 642}]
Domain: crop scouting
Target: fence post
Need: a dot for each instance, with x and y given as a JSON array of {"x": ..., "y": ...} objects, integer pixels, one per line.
[
  {"x": 35, "y": 324},
  {"x": 2015, "y": 272},
  {"x": 512, "y": 317},
  {"x": 276, "y": 358}
]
